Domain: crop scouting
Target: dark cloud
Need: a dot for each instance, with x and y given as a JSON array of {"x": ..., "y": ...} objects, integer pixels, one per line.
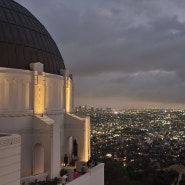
[
  {"x": 124, "y": 49},
  {"x": 160, "y": 86}
]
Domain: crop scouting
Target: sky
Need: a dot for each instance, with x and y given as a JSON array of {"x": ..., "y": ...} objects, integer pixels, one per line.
[{"x": 122, "y": 53}]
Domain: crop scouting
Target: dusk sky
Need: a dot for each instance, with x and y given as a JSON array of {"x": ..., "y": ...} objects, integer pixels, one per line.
[{"x": 122, "y": 53}]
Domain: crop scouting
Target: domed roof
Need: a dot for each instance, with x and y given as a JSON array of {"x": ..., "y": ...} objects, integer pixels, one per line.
[{"x": 24, "y": 40}]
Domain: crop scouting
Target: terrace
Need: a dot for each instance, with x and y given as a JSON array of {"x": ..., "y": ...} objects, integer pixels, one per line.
[{"x": 94, "y": 175}]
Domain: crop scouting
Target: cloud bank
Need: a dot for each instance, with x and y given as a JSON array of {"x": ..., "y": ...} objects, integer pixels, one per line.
[{"x": 121, "y": 52}]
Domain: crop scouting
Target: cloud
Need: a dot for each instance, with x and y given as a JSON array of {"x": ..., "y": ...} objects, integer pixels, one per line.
[
  {"x": 159, "y": 86},
  {"x": 130, "y": 49}
]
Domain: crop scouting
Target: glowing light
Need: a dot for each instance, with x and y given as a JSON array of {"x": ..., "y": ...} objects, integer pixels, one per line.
[
  {"x": 39, "y": 90},
  {"x": 109, "y": 155},
  {"x": 68, "y": 95},
  {"x": 86, "y": 153},
  {"x": 87, "y": 156}
]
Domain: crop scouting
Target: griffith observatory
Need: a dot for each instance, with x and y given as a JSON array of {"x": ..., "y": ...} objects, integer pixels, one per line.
[{"x": 37, "y": 123}]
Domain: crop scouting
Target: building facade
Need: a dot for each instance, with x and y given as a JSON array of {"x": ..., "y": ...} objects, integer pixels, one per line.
[{"x": 36, "y": 99}]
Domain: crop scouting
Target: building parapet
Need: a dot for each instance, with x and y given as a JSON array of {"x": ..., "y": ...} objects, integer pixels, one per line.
[
  {"x": 80, "y": 117},
  {"x": 10, "y": 147},
  {"x": 29, "y": 179},
  {"x": 93, "y": 176}
]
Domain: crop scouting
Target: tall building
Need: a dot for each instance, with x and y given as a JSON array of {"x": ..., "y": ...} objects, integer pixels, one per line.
[{"x": 37, "y": 124}]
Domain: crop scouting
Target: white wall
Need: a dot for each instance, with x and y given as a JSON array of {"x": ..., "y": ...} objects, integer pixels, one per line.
[
  {"x": 57, "y": 142},
  {"x": 47, "y": 133},
  {"x": 54, "y": 93},
  {"x": 16, "y": 90},
  {"x": 10, "y": 152},
  {"x": 21, "y": 125},
  {"x": 16, "y": 110},
  {"x": 16, "y": 115},
  {"x": 79, "y": 128}
]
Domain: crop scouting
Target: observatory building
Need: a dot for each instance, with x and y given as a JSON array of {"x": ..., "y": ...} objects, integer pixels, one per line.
[{"x": 37, "y": 124}]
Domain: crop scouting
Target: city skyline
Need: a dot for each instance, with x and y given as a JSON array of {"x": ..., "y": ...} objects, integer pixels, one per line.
[{"x": 122, "y": 53}]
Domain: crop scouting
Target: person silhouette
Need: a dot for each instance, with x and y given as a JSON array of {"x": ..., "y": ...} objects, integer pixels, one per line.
[{"x": 65, "y": 159}]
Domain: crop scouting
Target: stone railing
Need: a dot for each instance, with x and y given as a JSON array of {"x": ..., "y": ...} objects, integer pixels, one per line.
[
  {"x": 39, "y": 177},
  {"x": 93, "y": 176}
]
